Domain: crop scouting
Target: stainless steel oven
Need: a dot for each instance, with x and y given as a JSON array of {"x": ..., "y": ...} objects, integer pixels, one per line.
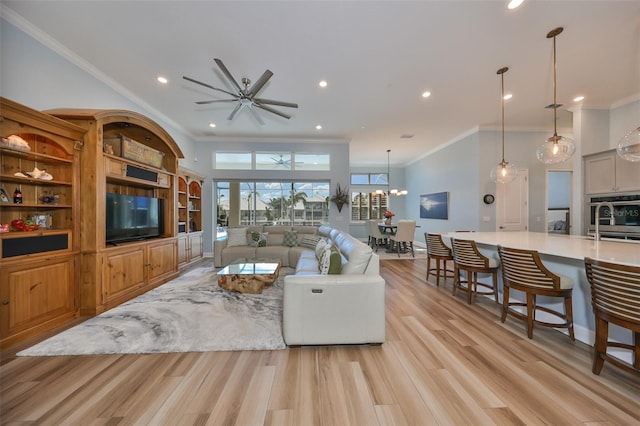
[{"x": 626, "y": 216}]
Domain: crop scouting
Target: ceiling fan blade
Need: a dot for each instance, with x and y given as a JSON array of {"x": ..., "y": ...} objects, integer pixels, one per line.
[
  {"x": 215, "y": 100},
  {"x": 234, "y": 112},
  {"x": 273, "y": 111},
  {"x": 226, "y": 72},
  {"x": 278, "y": 103},
  {"x": 255, "y": 87},
  {"x": 256, "y": 115},
  {"x": 209, "y": 86}
]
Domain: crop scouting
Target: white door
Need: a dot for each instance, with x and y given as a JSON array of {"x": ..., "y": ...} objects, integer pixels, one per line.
[{"x": 512, "y": 203}]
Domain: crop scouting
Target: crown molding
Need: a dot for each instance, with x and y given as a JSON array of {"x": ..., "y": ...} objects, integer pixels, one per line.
[{"x": 42, "y": 37}]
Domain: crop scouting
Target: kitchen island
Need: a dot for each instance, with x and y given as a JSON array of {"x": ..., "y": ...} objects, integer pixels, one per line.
[{"x": 564, "y": 254}]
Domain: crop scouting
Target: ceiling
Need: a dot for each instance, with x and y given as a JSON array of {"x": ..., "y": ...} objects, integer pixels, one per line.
[{"x": 378, "y": 57}]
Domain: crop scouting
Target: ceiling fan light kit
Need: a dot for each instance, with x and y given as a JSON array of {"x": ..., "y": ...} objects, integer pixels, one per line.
[
  {"x": 556, "y": 149},
  {"x": 503, "y": 172},
  {"x": 245, "y": 96}
]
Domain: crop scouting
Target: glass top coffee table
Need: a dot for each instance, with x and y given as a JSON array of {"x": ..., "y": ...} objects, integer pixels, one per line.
[{"x": 249, "y": 275}]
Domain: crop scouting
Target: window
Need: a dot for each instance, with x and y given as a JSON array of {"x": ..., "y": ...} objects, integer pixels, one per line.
[
  {"x": 312, "y": 161},
  {"x": 232, "y": 160},
  {"x": 369, "y": 179},
  {"x": 272, "y": 203},
  {"x": 271, "y": 160},
  {"x": 366, "y": 205}
]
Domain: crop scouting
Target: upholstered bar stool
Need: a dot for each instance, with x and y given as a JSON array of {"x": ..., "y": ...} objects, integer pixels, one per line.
[
  {"x": 437, "y": 250},
  {"x": 615, "y": 297},
  {"x": 524, "y": 271},
  {"x": 467, "y": 257}
]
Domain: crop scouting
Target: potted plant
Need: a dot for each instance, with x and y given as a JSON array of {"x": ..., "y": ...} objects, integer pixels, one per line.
[
  {"x": 388, "y": 215},
  {"x": 341, "y": 197}
]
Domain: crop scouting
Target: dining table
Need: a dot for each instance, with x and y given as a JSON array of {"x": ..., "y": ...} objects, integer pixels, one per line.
[{"x": 387, "y": 229}]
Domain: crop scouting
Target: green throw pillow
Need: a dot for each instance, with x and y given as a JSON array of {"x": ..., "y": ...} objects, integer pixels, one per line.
[
  {"x": 335, "y": 264},
  {"x": 290, "y": 238},
  {"x": 258, "y": 239},
  {"x": 330, "y": 261}
]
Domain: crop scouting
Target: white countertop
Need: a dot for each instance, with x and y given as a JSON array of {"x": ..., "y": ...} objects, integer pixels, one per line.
[{"x": 569, "y": 246}]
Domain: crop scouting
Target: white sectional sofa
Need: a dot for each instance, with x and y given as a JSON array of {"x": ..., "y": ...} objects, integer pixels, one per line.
[
  {"x": 223, "y": 254},
  {"x": 344, "y": 308}
]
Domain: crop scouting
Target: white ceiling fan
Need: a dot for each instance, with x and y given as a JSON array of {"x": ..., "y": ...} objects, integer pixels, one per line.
[{"x": 245, "y": 97}]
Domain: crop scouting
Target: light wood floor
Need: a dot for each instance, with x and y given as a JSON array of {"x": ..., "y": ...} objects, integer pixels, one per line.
[{"x": 443, "y": 363}]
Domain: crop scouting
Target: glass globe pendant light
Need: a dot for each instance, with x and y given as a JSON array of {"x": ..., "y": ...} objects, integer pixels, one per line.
[
  {"x": 503, "y": 172},
  {"x": 555, "y": 149},
  {"x": 629, "y": 146}
]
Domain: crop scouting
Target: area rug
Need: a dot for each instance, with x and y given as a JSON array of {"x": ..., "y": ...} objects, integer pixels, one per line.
[{"x": 188, "y": 314}]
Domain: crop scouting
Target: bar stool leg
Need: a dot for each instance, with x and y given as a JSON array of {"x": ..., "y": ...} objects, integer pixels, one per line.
[
  {"x": 428, "y": 267},
  {"x": 636, "y": 351},
  {"x": 600, "y": 346},
  {"x": 568, "y": 308},
  {"x": 437, "y": 272},
  {"x": 531, "y": 312},
  {"x": 505, "y": 303},
  {"x": 495, "y": 285}
]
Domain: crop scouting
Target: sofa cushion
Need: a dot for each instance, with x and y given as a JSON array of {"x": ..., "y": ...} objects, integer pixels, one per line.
[
  {"x": 310, "y": 241},
  {"x": 236, "y": 237},
  {"x": 231, "y": 254},
  {"x": 356, "y": 253},
  {"x": 307, "y": 264},
  {"x": 290, "y": 238},
  {"x": 274, "y": 252},
  {"x": 296, "y": 252}
]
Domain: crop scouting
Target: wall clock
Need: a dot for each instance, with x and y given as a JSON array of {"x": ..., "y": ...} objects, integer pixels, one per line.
[{"x": 488, "y": 199}]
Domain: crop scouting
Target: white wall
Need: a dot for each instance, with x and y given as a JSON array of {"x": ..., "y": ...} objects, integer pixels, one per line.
[
  {"x": 453, "y": 169},
  {"x": 37, "y": 77}
]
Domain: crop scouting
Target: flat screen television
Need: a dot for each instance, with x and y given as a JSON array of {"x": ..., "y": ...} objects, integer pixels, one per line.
[{"x": 131, "y": 217}]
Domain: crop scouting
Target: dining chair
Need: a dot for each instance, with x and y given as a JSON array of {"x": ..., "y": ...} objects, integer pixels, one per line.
[
  {"x": 523, "y": 270},
  {"x": 376, "y": 235},
  {"x": 404, "y": 235},
  {"x": 615, "y": 298},
  {"x": 467, "y": 257},
  {"x": 438, "y": 251}
]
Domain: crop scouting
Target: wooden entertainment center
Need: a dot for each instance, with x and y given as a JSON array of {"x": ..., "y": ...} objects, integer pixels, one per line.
[{"x": 68, "y": 268}]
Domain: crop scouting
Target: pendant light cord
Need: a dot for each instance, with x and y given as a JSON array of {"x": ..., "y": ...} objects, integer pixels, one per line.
[{"x": 502, "y": 104}]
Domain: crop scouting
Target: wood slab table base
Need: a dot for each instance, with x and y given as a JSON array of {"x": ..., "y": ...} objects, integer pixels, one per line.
[{"x": 249, "y": 278}]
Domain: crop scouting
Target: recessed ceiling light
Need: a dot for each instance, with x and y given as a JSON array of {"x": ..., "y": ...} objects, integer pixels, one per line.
[
  {"x": 514, "y": 4},
  {"x": 162, "y": 80},
  {"x": 318, "y": 127},
  {"x": 407, "y": 136},
  {"x": 212, "y": 124},
  {"x": 322, "y": 83},
  {"x": 508, "y": 96},
  {"x": 426, "y": 94},
  {"x": 578, "y": 99}
]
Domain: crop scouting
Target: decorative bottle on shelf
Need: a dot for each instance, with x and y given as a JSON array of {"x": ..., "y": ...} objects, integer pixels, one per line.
[{"x": 17, "y": 196}]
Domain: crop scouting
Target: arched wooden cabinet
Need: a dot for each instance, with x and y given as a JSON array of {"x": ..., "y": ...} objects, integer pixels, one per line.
[
  {"x": 39, "y": 268},
  {"x": 189, "y": 217},
  {"x": 125, "y": 154}
]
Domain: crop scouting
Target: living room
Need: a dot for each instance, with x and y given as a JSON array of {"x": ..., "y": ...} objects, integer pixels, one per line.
[{"x": 42, "y": 72}]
